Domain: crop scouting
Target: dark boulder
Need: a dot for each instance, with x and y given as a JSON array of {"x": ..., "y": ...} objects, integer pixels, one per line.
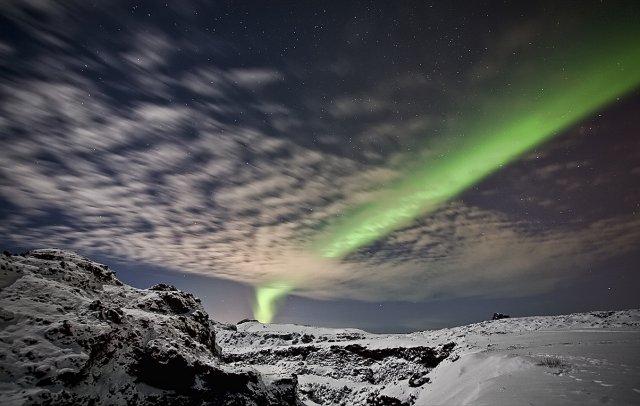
[
  {"x": 418, "y": 379},
  {"x": 384, "y": 400},
  {"x": 247, "y": 321},
  {"x": 163, "y": 366},
  {"x": 163, "y": 287}
]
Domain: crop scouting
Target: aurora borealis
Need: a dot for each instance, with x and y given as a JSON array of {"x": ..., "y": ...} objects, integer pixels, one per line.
[
  {"x": 392, "y": 166},
  {"x": 267, "y": 298},
  {"x": 521, "y": 116}
]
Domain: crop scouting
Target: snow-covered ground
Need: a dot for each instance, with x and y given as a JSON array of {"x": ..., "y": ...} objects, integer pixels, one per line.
[
  {"x": 586, "y": 358},
  {"x": 579, "y": 359},
  {"x": 71, "y": 333}
]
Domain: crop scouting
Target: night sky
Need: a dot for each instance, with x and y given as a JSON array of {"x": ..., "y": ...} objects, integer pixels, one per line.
[{"x": 393, "y": 166}]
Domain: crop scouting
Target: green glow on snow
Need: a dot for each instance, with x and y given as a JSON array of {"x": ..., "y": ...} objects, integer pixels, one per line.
[
  {"x": 560, "y": 88},
  {"x": 268, "y": 298}
]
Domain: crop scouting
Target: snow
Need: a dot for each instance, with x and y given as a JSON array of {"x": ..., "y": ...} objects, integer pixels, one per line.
[
  {"x": 494, "y": 362},
  {"x": 71, "y": 332}
]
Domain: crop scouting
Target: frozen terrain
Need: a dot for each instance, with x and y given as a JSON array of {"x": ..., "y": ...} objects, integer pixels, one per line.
[
  {"x": 581, "y": 359},
  {"x": 71, "y": 333}
]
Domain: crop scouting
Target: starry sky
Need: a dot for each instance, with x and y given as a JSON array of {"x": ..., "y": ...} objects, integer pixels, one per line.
[{"x": 223, "y": 146}]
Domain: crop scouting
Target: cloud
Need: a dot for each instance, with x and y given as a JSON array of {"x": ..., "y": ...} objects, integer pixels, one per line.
[
  {"x": 253, "y": 78},
  {"x": 134, "y": 153},
  {"x": 345, "y": 107},
  {"x": 150, "y": 50}
]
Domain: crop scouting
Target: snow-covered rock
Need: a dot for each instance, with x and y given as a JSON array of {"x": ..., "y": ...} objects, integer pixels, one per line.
[
  {"x": 71, "y": 333},
  {"x": 583, "y": 358}
]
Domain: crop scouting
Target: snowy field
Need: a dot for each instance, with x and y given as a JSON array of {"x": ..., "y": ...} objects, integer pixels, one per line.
[
  {"x": 71, "y": 333},
  {"x": 581, "y": 359}
]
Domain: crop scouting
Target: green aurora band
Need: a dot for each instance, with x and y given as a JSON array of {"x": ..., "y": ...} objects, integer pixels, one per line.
[
  {"x": 512, "y": 118},
  {"x": 267, "y": 299},
  {"x": 545, "y": 93}
]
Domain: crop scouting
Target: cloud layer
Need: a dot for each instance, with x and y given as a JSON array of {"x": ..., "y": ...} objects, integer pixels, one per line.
[{"x": 159, "y": 149}]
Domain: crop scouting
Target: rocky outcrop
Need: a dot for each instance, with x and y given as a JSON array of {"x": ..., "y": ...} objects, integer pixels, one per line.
[
  {"x": 72, "y": 333},
  {"x": 337, "y": 367}
]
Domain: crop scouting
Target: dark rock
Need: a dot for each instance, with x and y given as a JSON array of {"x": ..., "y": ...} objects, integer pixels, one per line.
[
  {"x": 169, "y": 302},
  {"x": 101, "y": 273},
  {"x": 175, "y": 352},
  {"x": 365, "y": 374},
  {"x": 163, "y": 287},
  {"x": 448, "y": 347},
  {"x": 384, "y": 400},
  {"x": 66, "y": 328},
  {"x": 47, "y": 255},
  {"x": 222, "y": 381},
  {"x": 247, "y": 321},
  {"x": 498, "y": 316},
  {"x": 419, "y": 379},
  {"x": 178, "y": 302},
  {"x": 106, "y": 313},
  {"x": 95, "y": 305},
  {"x": 200, "y": 316},
  {"x": 280, "y": 336},
  {"x": 426, "y": 356},
  {"x": 284, "y": 391},
  {"x": 349, "y": 336},
  {"x": 603, "y": 315},
  {"x": 69, "y": 377},
  {"x": 163, "y": 367}
]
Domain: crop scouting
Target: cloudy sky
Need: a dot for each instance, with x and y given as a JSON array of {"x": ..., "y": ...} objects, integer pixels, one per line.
[{"x": 213, "y": 145}]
